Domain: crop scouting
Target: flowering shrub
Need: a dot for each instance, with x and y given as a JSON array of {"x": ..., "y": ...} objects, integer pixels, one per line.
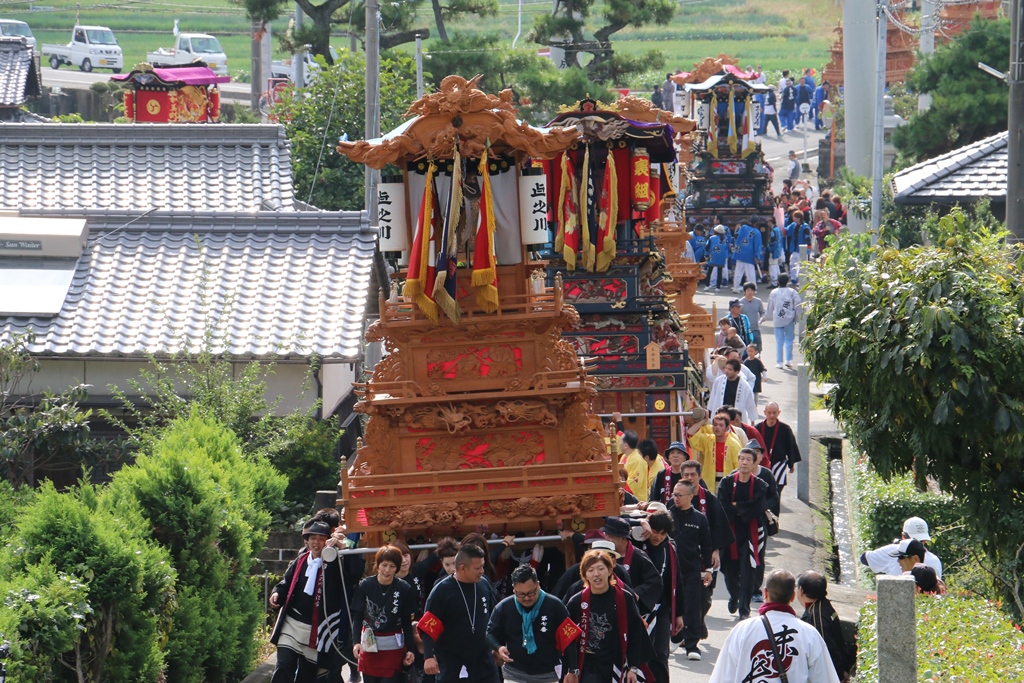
[{"x": 959, "y": 640}]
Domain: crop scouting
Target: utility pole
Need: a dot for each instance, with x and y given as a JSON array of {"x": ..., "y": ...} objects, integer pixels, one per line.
[
  {"x": 878, "y": 154},
  {"x": 299, "y": 58},
  {"x": 256, "y": 67},
  {"x": 928, "y": 21},
  {"x": 372, "y": 129},
  {"x": 859, "y": 18},
  {"x": 1015, "y": 130},
  {"x": 419, "y": 65}
]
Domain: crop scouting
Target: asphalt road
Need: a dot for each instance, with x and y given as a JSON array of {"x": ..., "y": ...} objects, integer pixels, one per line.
[
  {"x": 70, "y": 77},
  {"x": 793, "y": 547}
]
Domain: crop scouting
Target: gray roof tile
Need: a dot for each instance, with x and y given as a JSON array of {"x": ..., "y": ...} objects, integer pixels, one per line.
[
  {"x": 18, "y": 77},
  {"x": 124, "y": 167},
  {"x": 964, "y": 175},
  {"x": 252, "y": 285}
]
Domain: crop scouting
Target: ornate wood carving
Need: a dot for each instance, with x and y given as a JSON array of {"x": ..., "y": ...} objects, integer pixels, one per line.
[
  {"x": 551, "y": 506},
  {"x": 461, "y": 109}
]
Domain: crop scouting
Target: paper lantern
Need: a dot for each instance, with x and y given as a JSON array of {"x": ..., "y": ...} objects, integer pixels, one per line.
[
  {"x": 129, "y": 105},
  {"x": 640, "y": 178},
  {"x": 214, "y": 104},
  {"x": 391, "y": 223},
  {"x": 533, "y": 207},
  {"x": 703, "y": 115}
]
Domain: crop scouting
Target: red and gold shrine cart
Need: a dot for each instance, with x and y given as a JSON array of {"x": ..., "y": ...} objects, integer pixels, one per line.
[
  {"x": 479, "y": 414},
  {"x": 180, "y": 94},
  {"x": 606, "y": 191}
]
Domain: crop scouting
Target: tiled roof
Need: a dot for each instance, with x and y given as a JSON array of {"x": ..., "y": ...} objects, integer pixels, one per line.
[
  {"x": 252, "y": 285},
  {"x": 169, "y": 167},
  {"x": 964, "y": 175},
  {"x": 18, "y": 77}
]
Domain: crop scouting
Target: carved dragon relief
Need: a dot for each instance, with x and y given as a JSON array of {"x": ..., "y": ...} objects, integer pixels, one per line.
[
  {"x": 461, "y": 108},
  {"x": 452, "y": 514},
  {"x": 643, "y": 110},
  {"x": 455, "y": 418},
  {"x": 582, "y": 443},
  {"x": 498, "y": 450},
  {"x": 377, "y": 454}
]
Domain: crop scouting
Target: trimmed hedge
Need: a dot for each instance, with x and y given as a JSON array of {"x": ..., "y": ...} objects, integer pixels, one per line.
[
  {"x": 959, "y": 640},
  {"x": 885, "y": 505}
]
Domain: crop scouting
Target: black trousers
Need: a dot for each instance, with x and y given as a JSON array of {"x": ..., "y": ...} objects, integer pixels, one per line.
[
  {"x": 739, "y": 580},
  {"x": 481, "y": 668},
  {"x": 659, "y": 638},
  {"x": 292, "y": 667},
  {"x": 704, "y": 600},
  {"x": 693, "y": 606}
]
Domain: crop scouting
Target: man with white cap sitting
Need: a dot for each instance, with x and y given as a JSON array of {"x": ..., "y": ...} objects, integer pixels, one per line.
[{"x": 885, "y": 560}]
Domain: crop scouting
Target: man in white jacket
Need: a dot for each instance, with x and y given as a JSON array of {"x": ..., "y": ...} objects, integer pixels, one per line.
[
  {"x": 747, "y": 657},
  {"x": 731, "y": 389}
]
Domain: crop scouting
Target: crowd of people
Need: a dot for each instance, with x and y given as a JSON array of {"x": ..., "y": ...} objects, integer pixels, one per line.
[
  {"x": 759, "y": 249},
  {"x": 487, "y": 612},
  {"x": 782, "y": 103}
]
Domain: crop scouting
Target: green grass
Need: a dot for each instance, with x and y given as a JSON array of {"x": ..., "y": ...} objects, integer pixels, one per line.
[{"x": 778, "y": 34}]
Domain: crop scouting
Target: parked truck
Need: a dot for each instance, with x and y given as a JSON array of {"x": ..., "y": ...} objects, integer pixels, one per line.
[
  {"x": 285, "y": 68},
  {"x": 190, "y": 47},
  {"x": 91, "y": 47},
  {"x": 12, "y": 28}
]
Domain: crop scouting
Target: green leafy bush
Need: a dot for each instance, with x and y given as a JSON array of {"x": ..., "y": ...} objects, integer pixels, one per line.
[
  {"x": 44, "y": 614},
  {"x": 128, "y": 585},
  {"x": 959, "y": 640},
  {"x": 208, "y": 505}
]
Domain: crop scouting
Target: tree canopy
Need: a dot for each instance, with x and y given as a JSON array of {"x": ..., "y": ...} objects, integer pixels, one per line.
[
  {"x": 967, "y": 104},
  {"x": 538, "y": 86},
  {"x": 332, "y": 106},
  {"x": 924, "y": 345},
  {"x": 566, "y": 28},
  {"x": 400, "y": 22}
]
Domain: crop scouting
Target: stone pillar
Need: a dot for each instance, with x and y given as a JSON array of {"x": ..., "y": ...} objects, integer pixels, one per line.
[
  {"x": 803, "y": 432},
  {"x": 859, "y": 58},
  {"x": 897, "y": 629}
]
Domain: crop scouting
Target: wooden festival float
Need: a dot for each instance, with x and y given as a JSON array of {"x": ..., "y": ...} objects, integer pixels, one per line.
[
  {"x": 728, "y": 180},
  {"x": 178, "y": 94},
  {"x": 605, "y": 192},
  {"x": 479, "y": 413},
  {"x": 670, "y": 231}
]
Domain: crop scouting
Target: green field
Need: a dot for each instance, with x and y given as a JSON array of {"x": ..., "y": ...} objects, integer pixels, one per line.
[{"x": 777, "y": 34}]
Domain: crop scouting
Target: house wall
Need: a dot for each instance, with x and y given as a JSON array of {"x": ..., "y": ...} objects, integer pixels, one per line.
[
  {"x": 337, "y": 379},
  {"x": 285, "y": 380}
]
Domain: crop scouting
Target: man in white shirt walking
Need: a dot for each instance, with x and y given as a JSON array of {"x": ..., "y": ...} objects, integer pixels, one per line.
[{"x": 748, "y": 657}]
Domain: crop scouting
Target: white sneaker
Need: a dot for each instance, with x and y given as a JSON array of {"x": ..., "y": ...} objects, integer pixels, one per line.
[
  {"x": 778, "y": 365},
  {"x": 789, "y": 365},
  {"x": 672, "y": 647},
  {"x": 693, "y": 656}
]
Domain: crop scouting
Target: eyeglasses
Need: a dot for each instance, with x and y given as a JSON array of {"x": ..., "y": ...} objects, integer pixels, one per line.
[{"x": 528, "y": 594}]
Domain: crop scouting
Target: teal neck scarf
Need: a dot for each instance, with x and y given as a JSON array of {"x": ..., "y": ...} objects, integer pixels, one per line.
[{"x": 528, "y": 641}]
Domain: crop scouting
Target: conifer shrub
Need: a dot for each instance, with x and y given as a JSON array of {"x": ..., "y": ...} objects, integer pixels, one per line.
[{"x": 209, "y": 506}]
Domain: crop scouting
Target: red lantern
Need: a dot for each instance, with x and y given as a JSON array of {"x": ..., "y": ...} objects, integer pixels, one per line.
[
  {"x": 214, "y": 105},
  {"x": 640, "y": 178},
  {"x": 129, "y": 105}
]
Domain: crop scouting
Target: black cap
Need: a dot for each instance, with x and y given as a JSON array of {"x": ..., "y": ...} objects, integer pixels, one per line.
[
  {"x": 316, "y": 529},
  {"x": 616, "y": 526},
  {"x": 910, "y": 547},
  {"x": 926, "y": 578}
]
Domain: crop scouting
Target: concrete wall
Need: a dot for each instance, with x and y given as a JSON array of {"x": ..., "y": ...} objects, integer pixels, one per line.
[
  {"x": 337, "y": 379},
  {"x": 287, "y": 380}
]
